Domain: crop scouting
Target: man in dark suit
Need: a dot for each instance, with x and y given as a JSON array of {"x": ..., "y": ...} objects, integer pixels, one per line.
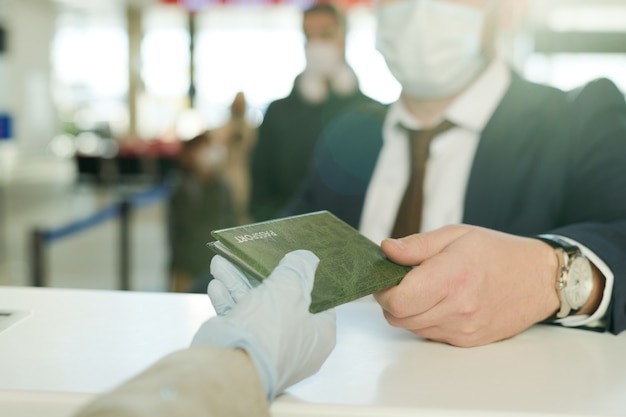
[{"x": 522, "y": 207}]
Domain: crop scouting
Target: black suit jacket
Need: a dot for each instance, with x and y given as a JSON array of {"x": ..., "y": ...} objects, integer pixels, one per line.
[{"x": 547, "y": 161}]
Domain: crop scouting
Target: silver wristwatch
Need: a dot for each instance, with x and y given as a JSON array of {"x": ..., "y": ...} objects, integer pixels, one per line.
[{"x": 575, "y": 279}]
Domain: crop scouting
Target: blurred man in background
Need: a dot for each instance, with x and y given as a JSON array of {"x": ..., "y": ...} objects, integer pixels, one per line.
[{"x": 324, "y": 90}]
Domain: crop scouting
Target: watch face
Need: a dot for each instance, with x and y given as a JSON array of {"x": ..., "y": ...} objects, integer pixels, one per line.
[{"x": 579, "y": 282}]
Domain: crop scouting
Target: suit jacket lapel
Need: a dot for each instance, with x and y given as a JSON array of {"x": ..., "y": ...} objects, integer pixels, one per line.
[{"x": 497, "y": 192}]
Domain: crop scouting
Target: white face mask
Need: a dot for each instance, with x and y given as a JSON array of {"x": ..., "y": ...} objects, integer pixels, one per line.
[
  {"x": 323, "y": 58},
  {"x": 432, "y": 47}
]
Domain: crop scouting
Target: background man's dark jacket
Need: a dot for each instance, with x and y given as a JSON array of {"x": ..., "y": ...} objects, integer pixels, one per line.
[{"x": 285, "y": 144}]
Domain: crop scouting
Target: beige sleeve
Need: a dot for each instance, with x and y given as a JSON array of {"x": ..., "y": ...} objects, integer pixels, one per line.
[{"x": 199, "y": 381}]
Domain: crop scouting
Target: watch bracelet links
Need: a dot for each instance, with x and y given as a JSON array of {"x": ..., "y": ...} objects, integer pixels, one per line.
[{"x": 565, "y": 247}]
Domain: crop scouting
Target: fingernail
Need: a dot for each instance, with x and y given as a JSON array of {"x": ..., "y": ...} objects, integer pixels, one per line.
[{"x": 399, "y": 243}]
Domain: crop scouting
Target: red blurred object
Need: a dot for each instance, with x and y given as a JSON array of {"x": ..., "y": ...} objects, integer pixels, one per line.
[
  {"x": 149, "y": 148},
  {"x": 193, "y": 5},
  {"x": 165, "y": 149}
]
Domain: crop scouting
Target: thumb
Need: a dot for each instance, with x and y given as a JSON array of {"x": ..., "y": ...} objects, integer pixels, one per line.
[{"x": 415, "y": 249}]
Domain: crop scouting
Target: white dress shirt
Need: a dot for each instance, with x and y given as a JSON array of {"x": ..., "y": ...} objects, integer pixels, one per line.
[{"x": 448, "y": 168}]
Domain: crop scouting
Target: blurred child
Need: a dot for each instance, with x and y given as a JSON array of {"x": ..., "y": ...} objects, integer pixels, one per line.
[{"x": 201, "y": 202}]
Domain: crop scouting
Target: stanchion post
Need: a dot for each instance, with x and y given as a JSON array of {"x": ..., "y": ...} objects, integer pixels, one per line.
[
  {"x": 124, "y": 253},
  {"x": 38, "y": 261}
]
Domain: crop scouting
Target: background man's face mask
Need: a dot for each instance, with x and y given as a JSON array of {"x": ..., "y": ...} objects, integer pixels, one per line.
[
  {"x": 432, "y": 47},
  {"x": 323, "y": 58}
]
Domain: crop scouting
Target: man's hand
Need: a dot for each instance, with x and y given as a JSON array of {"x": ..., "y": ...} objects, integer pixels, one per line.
[
  {"x": 271, "y": 322},
  {"x": 471, "y": 286}
]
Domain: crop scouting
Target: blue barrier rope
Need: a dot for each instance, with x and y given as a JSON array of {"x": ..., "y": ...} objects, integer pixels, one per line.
[
  {"x": 159, "y": 192},
  {"x": 142, "y": 199}
]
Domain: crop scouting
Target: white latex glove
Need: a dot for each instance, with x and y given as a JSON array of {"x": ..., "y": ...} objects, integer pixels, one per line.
[{"x": 271, "y": 322}]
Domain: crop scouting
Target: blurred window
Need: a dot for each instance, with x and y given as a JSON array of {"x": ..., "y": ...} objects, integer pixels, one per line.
[
  {"x": 375, "y": 79},
  {"x": 567, "y": 71},
  {"x": 576, "y": 42},
  {"x": 165, "y": 63},
  {"x": 89, "y": 64},
  {"x": 254, "y": 48}
]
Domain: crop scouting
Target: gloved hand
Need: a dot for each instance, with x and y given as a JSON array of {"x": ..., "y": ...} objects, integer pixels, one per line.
[{"x": 271, "y": 322}]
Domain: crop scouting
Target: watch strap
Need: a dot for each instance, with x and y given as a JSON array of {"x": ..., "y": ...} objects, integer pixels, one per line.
[{"x": 558, "y": 242}]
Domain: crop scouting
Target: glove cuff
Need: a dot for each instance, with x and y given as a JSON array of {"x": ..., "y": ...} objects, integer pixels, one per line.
[{"x": 218, "y": 331}]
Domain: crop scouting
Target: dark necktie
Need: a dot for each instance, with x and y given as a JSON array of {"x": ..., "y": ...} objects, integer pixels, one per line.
[{"x": 409, "y": 217}]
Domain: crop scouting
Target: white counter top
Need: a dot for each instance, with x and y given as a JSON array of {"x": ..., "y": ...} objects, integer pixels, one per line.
[
  {"x": 89, "y": 341},
  {"x": 547, "y": 369},
  {"x": 85, "y": 341}
]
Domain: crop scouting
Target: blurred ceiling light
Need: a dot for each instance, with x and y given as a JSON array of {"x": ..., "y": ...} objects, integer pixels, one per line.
[
  {"x": 63, "y": 146},
  {"x": 85, "y": 119},
  {"x": 600, "y": 18},
  {"x": 89, "y": 144},
  {"x": 109, "y": 148}
]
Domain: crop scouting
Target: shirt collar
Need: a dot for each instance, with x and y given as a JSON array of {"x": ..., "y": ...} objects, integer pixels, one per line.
[{"x": 473, "y": 108}]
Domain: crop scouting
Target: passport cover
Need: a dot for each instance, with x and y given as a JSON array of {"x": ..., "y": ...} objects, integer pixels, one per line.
[{"x": 351, "y": 266}]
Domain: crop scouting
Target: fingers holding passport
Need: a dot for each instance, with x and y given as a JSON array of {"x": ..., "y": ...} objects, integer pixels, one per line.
[
  {"x": 228, "y": 287},
  {"x": 272, "y": 321}
]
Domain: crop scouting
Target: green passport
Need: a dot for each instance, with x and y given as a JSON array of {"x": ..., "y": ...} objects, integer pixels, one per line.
[{"x": 351, "y": 266}]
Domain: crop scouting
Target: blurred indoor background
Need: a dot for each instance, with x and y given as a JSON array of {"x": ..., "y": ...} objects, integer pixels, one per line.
[{"x": 96, "y": 96}]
